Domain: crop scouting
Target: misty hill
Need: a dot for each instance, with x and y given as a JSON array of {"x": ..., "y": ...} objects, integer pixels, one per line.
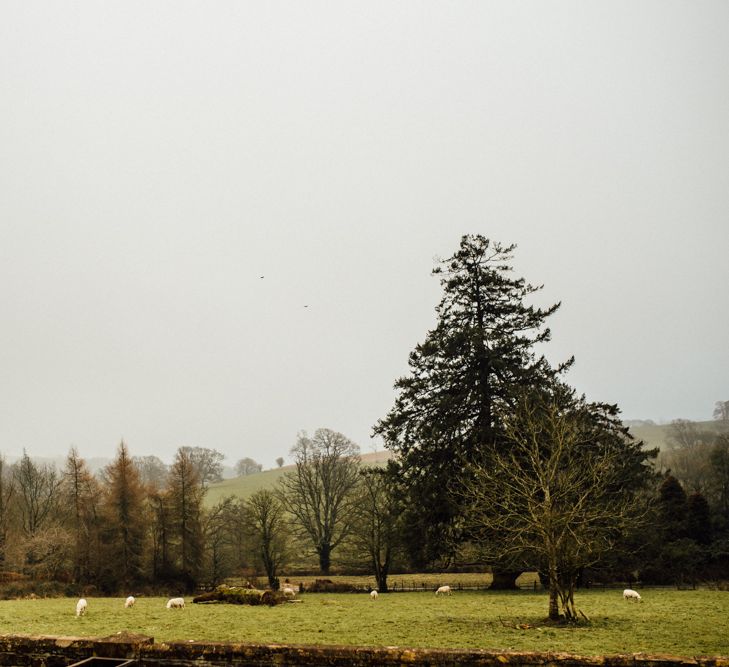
[
  {"x": 657, "y": 435},
  {"x": 244, "y": 486}
]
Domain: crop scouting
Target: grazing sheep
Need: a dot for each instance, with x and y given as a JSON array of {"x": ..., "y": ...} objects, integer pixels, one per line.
[
  {"x": 374, "y": 594},
  {"x": 129, "y": 602},
  {"x": 630, "y": 594},
  {"x": 443, "y": 590},
  {"x": 288, "y": 592},
  {"x": 175, "y": 603},
  {"x": 81, "y": 607}
]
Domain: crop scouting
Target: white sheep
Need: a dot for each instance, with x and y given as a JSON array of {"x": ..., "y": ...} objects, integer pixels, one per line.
[
  {"x": 288, "y": 592},
  {"x": 81, "y": 607},
  {"x": 175, "y": 603},
  {"x": 129, "y": 602},
  {"x": 630, "y": 594},
  {"x": 443, "y": 590},
  {"x": 374, "y": 594}
]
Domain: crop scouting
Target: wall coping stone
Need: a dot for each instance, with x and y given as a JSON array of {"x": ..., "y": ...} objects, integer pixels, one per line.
[{"x": 58, "y": 651}]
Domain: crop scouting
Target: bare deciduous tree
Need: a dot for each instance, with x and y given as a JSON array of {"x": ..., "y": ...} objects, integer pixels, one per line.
[
  {"x": 152, "y": 471},
  {"x": 217, "y": 529},
  {"x": 377, "y": 535},
  {"x": 269, "y": 531},
  {"x": 559, "y": 495},
  {"x": 208, "y": 463},
  {"x": 37, "y": 487},
  {"x": 319, "y": 492},
  {"x": 689, "y": 454},
  {"x": 721, "y": 411},
  {"x": 7, "y": 490},
  {"x": 247, "y": 466}
]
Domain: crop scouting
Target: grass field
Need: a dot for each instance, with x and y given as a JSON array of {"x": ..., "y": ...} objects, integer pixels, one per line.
[{"x": 679, "y": 622}]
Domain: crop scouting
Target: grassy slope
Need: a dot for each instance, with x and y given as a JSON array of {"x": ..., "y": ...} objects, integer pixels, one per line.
[
  {"x": 243, "y": 487},
  {"x": 679, "y": 622},
  {"x": 654, "y": 435}
]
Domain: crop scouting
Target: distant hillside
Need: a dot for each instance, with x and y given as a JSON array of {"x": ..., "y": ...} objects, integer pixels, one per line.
[
  {"x": 245, "y": 486},
  {"x": 656, "y": 435}
]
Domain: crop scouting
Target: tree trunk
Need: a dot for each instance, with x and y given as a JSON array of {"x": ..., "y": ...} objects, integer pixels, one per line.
[
  {"x": 553, "y": 601},
  {"x": 325, "y": 558},
  {"x": 504, "y": 580},
  {"x": 381, "y": 577}
]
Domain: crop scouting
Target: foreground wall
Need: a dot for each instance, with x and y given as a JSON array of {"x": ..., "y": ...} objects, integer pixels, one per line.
[{"x": 61, "y": 651}]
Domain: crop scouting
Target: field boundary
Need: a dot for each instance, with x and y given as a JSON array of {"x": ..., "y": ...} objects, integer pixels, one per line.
[{"x": 51, "y": 651}]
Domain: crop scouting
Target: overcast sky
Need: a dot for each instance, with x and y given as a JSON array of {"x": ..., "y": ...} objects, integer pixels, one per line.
[{"x": 158, "y": 158}]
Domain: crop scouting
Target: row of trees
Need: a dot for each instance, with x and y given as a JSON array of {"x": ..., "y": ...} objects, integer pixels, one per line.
[
  {"x": 113, "y": 530},
  {"x": 139, "y": 522}
]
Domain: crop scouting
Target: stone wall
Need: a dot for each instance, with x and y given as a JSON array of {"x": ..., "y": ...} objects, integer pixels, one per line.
[{"x": 61, "y": 651}]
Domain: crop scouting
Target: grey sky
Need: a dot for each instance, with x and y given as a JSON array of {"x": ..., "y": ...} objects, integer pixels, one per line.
[{"x": 157, "y": 158}]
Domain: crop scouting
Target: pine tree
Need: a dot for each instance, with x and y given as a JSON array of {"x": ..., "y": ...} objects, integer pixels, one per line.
[
  {"x": 124, "y": 533},
  {"x": 80, "y": 492},
  {"x": 478, "y": 356},
  {"x": 185, "y": 495},
  {"x": 698, "y": 519}
]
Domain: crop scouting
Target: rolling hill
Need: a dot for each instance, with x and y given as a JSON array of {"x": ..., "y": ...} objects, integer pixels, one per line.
[
  {"x": 243, "y": 487},
  {"x": 657, "y": 435},
  {"x": 653, "y": 435}
]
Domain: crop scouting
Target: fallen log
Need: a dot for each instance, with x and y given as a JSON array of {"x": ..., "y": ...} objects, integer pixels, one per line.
[{"x": 239, "y": 595}]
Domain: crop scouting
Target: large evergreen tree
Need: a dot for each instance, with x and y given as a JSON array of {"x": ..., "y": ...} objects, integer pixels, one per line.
[{"x": 478, "y": 356}]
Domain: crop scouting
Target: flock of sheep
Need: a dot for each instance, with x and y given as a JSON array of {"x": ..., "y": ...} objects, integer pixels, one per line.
[
  {"x": 173, "y": 603},
  {"x": 179, "y": 603}
]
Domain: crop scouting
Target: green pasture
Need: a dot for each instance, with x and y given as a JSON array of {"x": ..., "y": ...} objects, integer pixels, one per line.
[
  {"x": 679, "y": 622},
  {"x": 244, "y": 487}
]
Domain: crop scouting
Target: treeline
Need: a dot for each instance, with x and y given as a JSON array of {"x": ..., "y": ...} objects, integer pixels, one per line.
[
  {"x": 690, "y": 538},
  {"x": 139, "y": 523},
  {"x": 135, "y": 522}
]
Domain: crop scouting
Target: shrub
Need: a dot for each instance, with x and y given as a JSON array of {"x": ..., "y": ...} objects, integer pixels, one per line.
[{"x": 328, "y": 586}]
